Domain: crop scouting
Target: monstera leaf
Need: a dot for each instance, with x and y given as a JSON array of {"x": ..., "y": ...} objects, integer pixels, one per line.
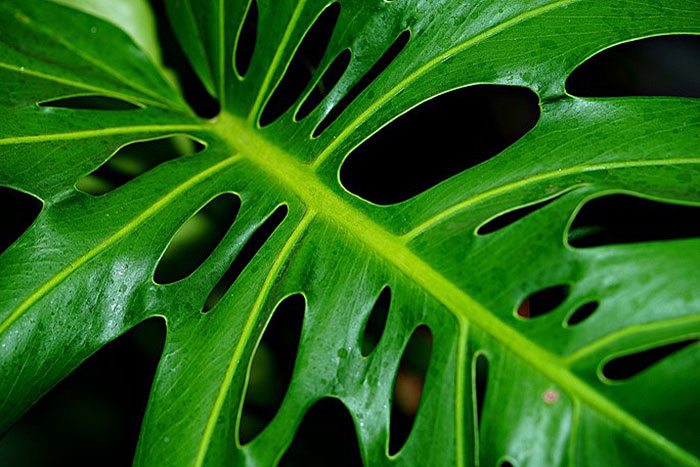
[{"x": 556, "y": 340}]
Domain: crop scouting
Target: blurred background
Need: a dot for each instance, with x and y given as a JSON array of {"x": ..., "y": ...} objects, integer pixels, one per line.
[{"x": 93, "y": 417}]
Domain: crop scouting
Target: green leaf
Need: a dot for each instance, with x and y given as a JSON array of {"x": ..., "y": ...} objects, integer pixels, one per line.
[{"x": 82, "y": 274}]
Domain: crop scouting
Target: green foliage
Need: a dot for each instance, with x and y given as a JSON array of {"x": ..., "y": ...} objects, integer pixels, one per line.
[{"x": 82, "y": 274}]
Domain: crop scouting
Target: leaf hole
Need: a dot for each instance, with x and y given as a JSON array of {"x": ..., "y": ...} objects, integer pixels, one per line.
[
  {"x": 655, "y": 66},
  {"x": 376, "y": 321},
  {"x": 133, "y": 160},
  {"x": 384, "y": 61},
  {"x": 437, "y": 140},
  {"x": 325, "y": 85},
  {"x": 481, "y": 373},
  {"x": 89, "y": 103},
  {"x": 197, "y": 239},
  {"x": 628, "y": 366},
  {"x": 510, "y": 217},
  {"x": 582, "y": 313},
  {"x": 245, "y": 256},
  {"x": 272, "y": 367},
  {"x": 408, "y": 388},
  {"x": 99, "y": 406},
  {"x": 542, "y": 302},
  {"x": 18, "y": 211},
  {"x": 303, "y": 65},
  {"x": 616, "y": 219},
  {"x": 326, "y": 436},
  {"x": 245, "y": 44}
]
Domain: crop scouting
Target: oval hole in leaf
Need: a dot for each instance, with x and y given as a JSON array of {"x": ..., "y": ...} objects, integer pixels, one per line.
[
  {"x": 89, "y": 103},
  {"x": 408, "y": 387},
  {"x": 18, "y": 211},
  {"x": 245, "y": 256},
  {"x": 303, "y": 65},
  {"x": 272, "y": 367},
  {"x": 438, "y": 139},
  {"x": 376, "y": 322},
  {"x": 99, "y": 407},
  {"x": 582, "y": 313},
  {"x": 481, "y": 373},
  {"x": 195, "y": 241},
  {"x": 133, "y": 160},
  {"x": 245, "y": 45},
  {"x": 325, "y": 437},
  {"x": 627, "y": 366},
  {"x": 384, "y": 61},
  {"x": 505, "y": 464},
  {"x": 509, "y": 217},
  {"x": 542, "y": 302},
  {"x": 655, "y": 66},
  {"x": 615, "y": 219},
  {"x": 327, "y": 82}
]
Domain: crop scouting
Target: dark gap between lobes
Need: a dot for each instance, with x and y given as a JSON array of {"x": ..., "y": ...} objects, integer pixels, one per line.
[
  {"x": 384, "y": 61},
  {"x": 481, "y": 373},
  {"x": 438, "y": 139},
  {"x": 90, "y": 103},
  {"x": 245, "y": 256},
  {"x": 326, "y": 437},
  {"x": 196, "y": 240},
  {"x": 303, "y": 65},
  {"x": 245, "y": 45},
  {"x": 510, "y": 217},
  {"x": 133, "y": 160},
  {"x": 18, "y": 211},
  {"x": 626, "y": 367},
  {"x": 542, "y": 302},
  {"x": 272, "y": 367},
  {"x": 325, "y": 85},
  {"x": 93, "y": 417},
  {"x": 615, "y": 219},
  {"x": 408, "y": 387},
  {"x": 374, "y": 328},
  {"x": 196, "y": 95},
  {"x": 656, "y": 66}
]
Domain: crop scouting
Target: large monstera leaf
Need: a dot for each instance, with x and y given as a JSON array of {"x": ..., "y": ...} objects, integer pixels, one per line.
[{"x": 83, "y": 273}]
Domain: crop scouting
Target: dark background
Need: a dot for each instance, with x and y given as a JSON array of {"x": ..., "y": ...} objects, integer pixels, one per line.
[{"x": 94, "y": 416}]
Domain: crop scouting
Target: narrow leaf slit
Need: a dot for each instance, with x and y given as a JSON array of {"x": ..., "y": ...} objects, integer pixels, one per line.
[
  {"x": 376, "y": 322},
  {"x": 272, "y": 367},
  {"x": 582, "y": 313},
  {"x": 628, "y": 366},
  {"x": 18, "y": 211},
  {"x": 133, "y": 160},
  {"x": 616, "y": 219},
  {"x": 197, "y": 239},
  {"x": 408, "y": 387},
  {"x": 303, "y": 65},
  {"x": 384, "y": 61},
  {"x": 245, "y": 256},
  {"x": 481, "y": 372},
  {"x": 510, "y": 217},
  {"x": 542, "y": 302},
  {"x": 89, "y": 103},
  {"x": 325, "y": 85},
  {"x": 326, "y": 436},
  {"x": 245, "y": 45}
]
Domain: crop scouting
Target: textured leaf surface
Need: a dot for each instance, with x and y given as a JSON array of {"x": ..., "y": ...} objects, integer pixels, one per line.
[{"x": 82, "y": 274}]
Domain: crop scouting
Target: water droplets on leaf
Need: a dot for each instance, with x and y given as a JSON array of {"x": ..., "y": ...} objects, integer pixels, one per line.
[
  {"x": 90, "y": 102},
  {"x": 384, "y": 61},
  {"x": 408, "y": 387},
  {"x": 615, "y": 219},
  {"x": 328, "y": 432},
  {"x": 303, "y": 66},
  {"x": 376, "y": 321},
  {"x": 272, "y": 367},
  {"x": 630, "y": 365},
  {"x": 543, "y": 301},
  {"x": 402, "y": 152},
  {"x": 18, "y": 211},
  {"x": 197, "y": 238},
  {"x": 133, "y": 160},
  {"x": 245, "y": 44},
  {"x": 245, "y": 256}
]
